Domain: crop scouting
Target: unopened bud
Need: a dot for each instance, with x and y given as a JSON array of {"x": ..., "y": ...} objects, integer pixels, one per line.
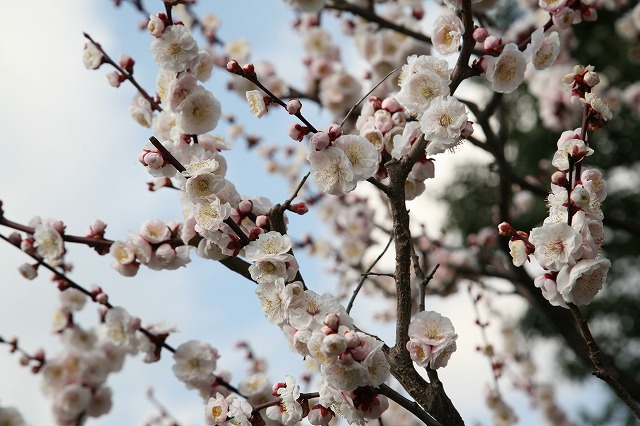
[
  {"x": 299, "y": 208},
  {"x": 480, "y": 34},
  {"x": 591, "y": 78},
  {"x": 559, "y": 178},
  {"x": 492, "y": 43},
  {"x": 320, "y": 141},
  {"x": 335, "y": 131},
  {"x": 234, "y": 67},
  {"x": 262, "y": 221},
  {"x": 332, "y": 321},
  {"x": 391, "y": 104},
  {"x": 102, "y": 298},
  {"x": 126, "y": 62},
  {"x": 250, "y": 71},
  {"x": 505, "y": 229},
  {"x": 297, "y": 132},
  {"x": 467, "y": 130},
  {"x": 294, "y": 106},
  {"x": 245, "y": 206}
]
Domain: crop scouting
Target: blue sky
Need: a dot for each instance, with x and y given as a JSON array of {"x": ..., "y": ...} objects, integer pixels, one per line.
[{"x": 70, "y": 152}]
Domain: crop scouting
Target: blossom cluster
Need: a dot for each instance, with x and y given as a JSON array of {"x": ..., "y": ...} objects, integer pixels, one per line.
[
  {"x": 569, "y": 243},
  {"x": 316, "y": 325}
]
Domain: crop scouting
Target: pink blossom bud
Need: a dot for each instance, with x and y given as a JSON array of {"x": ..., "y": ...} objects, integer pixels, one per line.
[
  {"x": 28, "y": 271},
  {"x": 294, "y": 106},
  {"x": 153, "y": 160},
  {"x": 245, "y": 206},
  {"x": 335, "y": 131},
  {"x": 467, "y": 130},
  {"x": 136, "y": 322},
  {"x": 299, "y": 208},
  {"x": 24, "y": 360},
  {"x": 383, "y": 121},
  {"x": 480, "y": 34},
  {"x": 58, "y": 226},
  {"x": 559, "y": 178},
  {"x": 417, "y": 12},
  {"x": 352, "y": 338},
  {"x": 589, "y": 14},
  {"x": 332, "y": 321},
  {"x": 346, "y": 358},
  {"x": 320, "y": 141},
  {"x": 297, "y": 132},
  {"x": 326, "y": 330},
  {"x": 249, "y": 71},
  {"x": 262, "y": 221},
  {"x": 15, "y": 238},
  {"x": 98, "y": 227},
  {"x": 234, "y": 67},
  {"x": 492, "y": 44},
  {"x": 392, "y": 105},
  {"x": 591, "y": 78},
  {"x": 579, "y": 149},
  {"x": 26, "y": 245},
  {"x": 102, "y": 298},
  {"x": 114, "y": 78},
  {"x": 505, "y": 229},
  {"x": 126, "y": 62}
]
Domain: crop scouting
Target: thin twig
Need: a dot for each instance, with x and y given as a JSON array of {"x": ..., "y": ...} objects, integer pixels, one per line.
[
  {"x": 411, "y": 406},
  {"x": 364, "y": 277},
  {"x": 365, "y": 96}
]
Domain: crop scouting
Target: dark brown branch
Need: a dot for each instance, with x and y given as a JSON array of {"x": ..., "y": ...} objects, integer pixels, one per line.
[
  {"x": 365, "y": 275},
  {"x": 371, "y": 16},
  {"x": 462, "y": 69},
  {"x": 411, "y": 406}
]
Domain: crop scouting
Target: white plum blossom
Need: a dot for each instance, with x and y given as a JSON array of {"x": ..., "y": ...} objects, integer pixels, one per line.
[
  {"x": 543, "y": 51},
  {"x": 361, "y": 153},
  {"x": 447, "y": 34},
  {"x": 140, "y": 110},
  {"x": 155, "y": 231},
  {"x": 268, "y": 269},
  {"x": 332, "y": 171},
  {"x": 211, "y": 215},
  {"x": 276, "y": 298},
  {"x": 92, "y": 56},
  {"x": 239, "y": 410},
  {"x": 505, "y": 72},
  {"x": 289, "y": 410},
  {"x": 198, "y": 113},
  {"x": 442, "y": 123},
  {"x": 175, "y": 49},
  {"x": 48, "y": 242},
  {"x": 268, "y": 245},
  {"x": 581, "y": 282},
  {"x": 257, "y": 106},
  {"x": 418, "y": 90},
  {"x": 570, "y": 145},
  {"x": 121, "y": 328},
  {"x": 215, "y": 412},
  {"x": 432, "y": 339},
  {"x": 549, "y": 288},
  {"x": 202, "y": 66},
  {"x": 556, "y": 244},
  {"x": 598, "y": 104},
  {"x": 518, "y": 252},
  {"x": 193, "y": 360}
]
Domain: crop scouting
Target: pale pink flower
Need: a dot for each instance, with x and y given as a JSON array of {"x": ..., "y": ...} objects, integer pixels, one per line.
[
  {"x": 198, "y": 113},
  {"x": 447, "y": 34},
  {"x": 257, "y": 106},
  {"x": 442, "y": 123},
  {"x": 543, "y": 51},
  {"x": 332, "y": 171},
  {"x": 155, "y": 231},
  {"x": 555, "y": 245},
  {"x": 270, "y": 244},
  {"x": 215, "y": 412},
  {"x": 289, "y": 411},
  {"x": 193, "y": 360},
  {"x": 48, "y": 242},
  {"x": 155, "y": 25},
  {"x": 549, "y": 289},
  {"x": 581, "y": 282},
  {"x": 362, "y": 155},
  {"x": 432, "y": 339},
  {"x": 518, "y": 252},
  {"x": 174, "y": 49},
  {"x": 92, "y": 57},
  {"x": 140, "y": 110},
  {"x": 420, "y": 89},
  {"x": 505, "y": 72}
]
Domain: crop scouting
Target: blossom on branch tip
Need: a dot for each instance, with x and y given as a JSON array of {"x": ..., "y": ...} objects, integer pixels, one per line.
[
  {"x": 92, "y": 56},
  {"x": 174, "y": 49}
]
